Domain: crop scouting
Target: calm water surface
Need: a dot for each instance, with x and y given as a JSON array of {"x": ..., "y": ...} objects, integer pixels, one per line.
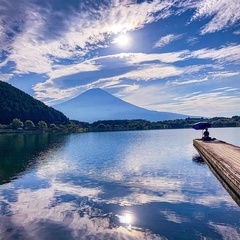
[{"x": 113, "y": 185}]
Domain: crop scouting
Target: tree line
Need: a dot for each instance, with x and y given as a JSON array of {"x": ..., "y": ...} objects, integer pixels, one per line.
[{"x": 117, "y": 125}]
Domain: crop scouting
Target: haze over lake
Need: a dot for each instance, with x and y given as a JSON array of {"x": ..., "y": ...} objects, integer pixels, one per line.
[{"x": 113, "y": 185}]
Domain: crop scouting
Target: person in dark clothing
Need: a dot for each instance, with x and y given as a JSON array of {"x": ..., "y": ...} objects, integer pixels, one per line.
[{"x": 206, "y": 135}]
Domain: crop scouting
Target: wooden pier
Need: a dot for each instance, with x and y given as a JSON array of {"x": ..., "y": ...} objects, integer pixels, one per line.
[{"x": 224, "y": 161}]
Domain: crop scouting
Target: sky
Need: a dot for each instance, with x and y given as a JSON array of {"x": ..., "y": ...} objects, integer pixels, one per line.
[{"x": 179, "y": 56}]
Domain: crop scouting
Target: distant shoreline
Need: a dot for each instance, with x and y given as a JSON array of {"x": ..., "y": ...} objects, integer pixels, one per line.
[
  {"x": 74, "y": 126},
  {"x": 59, "y": 131}
]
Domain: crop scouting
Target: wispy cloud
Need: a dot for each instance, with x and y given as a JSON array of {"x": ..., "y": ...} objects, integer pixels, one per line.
[
  {"x": 224, "y": 54},
  {"x": 227, "y": 232},
  {"x": 152, "y": 72},
  {"x": 144, "y": 67},
  {"x": 166, "y": 40},
  {"x": 142, "y": 73},
  {"x": 5, "y": 77},
  {"x": 177, "y": 82},
  {"x": 52, "y": 93},
  {"x": 222, "y": 13},
  {"x": 173, "y": 217},
  {"x": 237, "y": 32},
  {"x": 61, "y": 70},
  {"x": 214, "y": 103},
  {"x": 192, "y": 40},
  {"x": 225, "y": 74},
  {"x": 229, "y": 54},
  {"x": 136, "y": 58},
  {"x": 36, "y": 46},
  {"x": 69, "y": 44}
]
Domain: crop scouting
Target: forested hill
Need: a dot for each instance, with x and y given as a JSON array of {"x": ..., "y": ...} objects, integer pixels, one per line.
[{"x": 14, "y": 103}]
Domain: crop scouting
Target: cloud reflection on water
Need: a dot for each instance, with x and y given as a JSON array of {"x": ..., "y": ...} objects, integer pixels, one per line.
[
  {"x": 84, "y": 196},
  {"x": 42, "y": 212},
  {"x": 35, "y": 213},
  {"x": 226, "y": 232},
  {"x": 173, "y": 217}
]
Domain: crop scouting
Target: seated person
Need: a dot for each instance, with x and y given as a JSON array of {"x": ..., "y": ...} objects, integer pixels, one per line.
[{"x": 206, "y": 135}]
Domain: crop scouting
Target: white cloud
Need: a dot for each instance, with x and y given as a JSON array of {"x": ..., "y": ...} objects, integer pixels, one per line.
[
  {"x": 222, "y": 89},
  {"x": 49, "y": 90},
  {"x": 227, "y": 232},
  {"x": 225, "y": 74},
  {"x": 136, "y": 58},
  {"x": 177, "y": 82},
  {"x": 166, "y": 40},
  {"x": 213, "y": 201},
  {"x": 61, "y": 71},
  {"x": 151, "y": 95},
  {"x": 148, "y": 67},
  {"x": 237, "y": 32},
  {"x": 139, "y": 198},
  {"x": 229, "y": 54},
  {"x": 12, "y": 17},
  {"x": 186, "y": 100},
  {"x": 143, "y": 73},
  {"x": 173, "y": 217},
  {"x": 170, "y": 57},
  {"x": 34, "y": 214},
  {"x": 224, "y": 54},
  {"x": 222, "y": 13},
  {"x": 3, "y": 63},
  {"x": 129, "y": 89},
  {"x": 36, "y": 46},
  {"x": 210, "y": 104},
  {"x": 192, "y": 40},
  {"x": 146, "y": 73},
  {"x": 5, "y": 77}
]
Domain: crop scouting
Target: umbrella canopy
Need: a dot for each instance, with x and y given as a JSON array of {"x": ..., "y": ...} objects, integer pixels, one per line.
[{"x": 201, "y": 125}]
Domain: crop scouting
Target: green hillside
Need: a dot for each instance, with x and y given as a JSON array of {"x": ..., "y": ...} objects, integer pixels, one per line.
[{"x": 14, "y": 103}]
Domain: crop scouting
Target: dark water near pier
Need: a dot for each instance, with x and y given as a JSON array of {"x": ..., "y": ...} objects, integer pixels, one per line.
[{"x": 113, "y": 185}]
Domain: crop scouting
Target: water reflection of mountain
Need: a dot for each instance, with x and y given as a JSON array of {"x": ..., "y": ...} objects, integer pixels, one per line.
[{"x": 18, "y": 152}]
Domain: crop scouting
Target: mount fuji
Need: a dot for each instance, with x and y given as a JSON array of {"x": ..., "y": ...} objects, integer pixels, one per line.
[{"x": 97, "y": 104}]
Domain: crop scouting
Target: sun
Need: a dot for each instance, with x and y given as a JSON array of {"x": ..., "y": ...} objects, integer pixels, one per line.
[{"x": 122, "y": 40}]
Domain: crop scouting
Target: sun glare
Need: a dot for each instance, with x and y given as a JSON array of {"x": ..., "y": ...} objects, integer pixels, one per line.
[
  {"x": 122, "y": 40},
  {"x": 126, "y": 218}
]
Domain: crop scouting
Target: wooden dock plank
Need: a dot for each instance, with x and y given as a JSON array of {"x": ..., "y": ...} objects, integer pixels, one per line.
[{"x": 224, "y": 159}]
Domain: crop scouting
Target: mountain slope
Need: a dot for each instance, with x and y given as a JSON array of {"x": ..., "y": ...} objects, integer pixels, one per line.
[
  {"x": 97, "y": 104},
  {"x": 14, "y": 103}
]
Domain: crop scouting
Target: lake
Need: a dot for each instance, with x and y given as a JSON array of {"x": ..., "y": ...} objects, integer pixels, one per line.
[{"x": 113, "y": 185}]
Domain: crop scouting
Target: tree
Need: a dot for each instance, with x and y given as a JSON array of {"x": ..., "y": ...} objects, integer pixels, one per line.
[
  {"x": 101, "y": 127},
  {"x": 53, "y": 126},
  {"x": 16, "y": 123},
  {"x": 42, "y": 125},
  {"x": 29, "y": 124}
]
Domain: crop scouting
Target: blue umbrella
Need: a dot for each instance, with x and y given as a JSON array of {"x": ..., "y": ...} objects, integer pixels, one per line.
[{"x": 201, "y": 125}]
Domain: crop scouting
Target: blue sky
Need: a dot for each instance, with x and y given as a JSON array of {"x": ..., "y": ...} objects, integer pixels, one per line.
[{"x": 171, "y": 55}]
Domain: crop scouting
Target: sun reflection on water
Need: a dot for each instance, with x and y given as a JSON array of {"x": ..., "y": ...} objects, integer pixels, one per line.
[{"x": 126, "y": 219}]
